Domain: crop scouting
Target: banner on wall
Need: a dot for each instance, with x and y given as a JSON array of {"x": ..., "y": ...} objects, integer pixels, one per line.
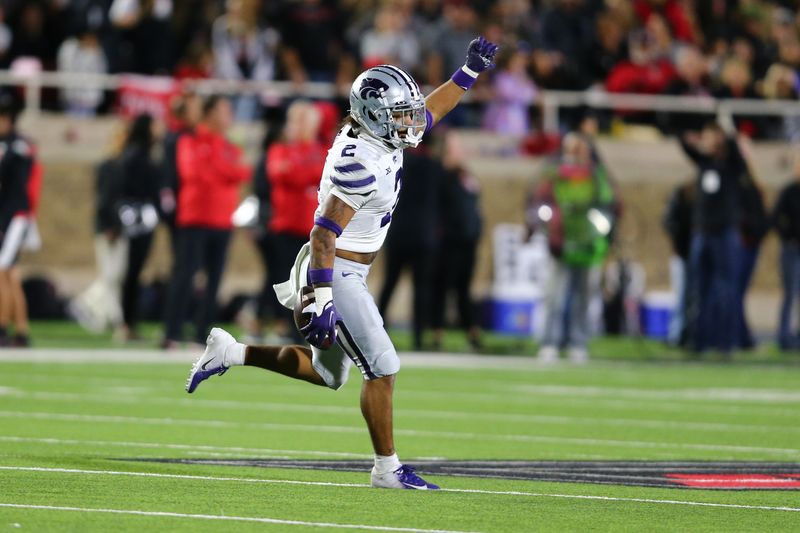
[{"x": 146, "y": 94}]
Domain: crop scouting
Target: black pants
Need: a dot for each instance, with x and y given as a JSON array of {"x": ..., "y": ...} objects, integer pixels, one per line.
[
  {"x": 421, "y": 261},
  {"x": 454, "y": 267},
  {"x": 197, "y": 248},
  {"x": 138, "y": 250}
]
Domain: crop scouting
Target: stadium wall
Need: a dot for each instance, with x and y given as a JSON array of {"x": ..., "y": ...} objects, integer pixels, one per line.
[{"x": 646, "y": 171}]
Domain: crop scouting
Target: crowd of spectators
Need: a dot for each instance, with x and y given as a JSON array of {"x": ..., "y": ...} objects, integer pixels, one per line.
[{"x": 723, "y": 48}]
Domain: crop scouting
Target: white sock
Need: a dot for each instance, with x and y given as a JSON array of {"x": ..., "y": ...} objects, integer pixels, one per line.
[
  {"x": 386, "y": 463},
  {"x": 234, "y": 355}
]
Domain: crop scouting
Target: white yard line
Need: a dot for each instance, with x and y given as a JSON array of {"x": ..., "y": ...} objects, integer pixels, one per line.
[
  {"x": 188, "y": 447},
  {"x": 134, "y": 398},
  {"x": 262, "y": 520},
  {"x": 205, "y": 450},
  {"x": 75, "y": 417},
  {"x": 362, "y": 485},
  {"x": 409, "y": 359}
]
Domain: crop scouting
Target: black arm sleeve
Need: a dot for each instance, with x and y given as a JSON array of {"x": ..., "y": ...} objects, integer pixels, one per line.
[
  {"x": 169, "y": 163},
  {"x": 108, "y": 194},
  {"x": 262, "y": 190}
]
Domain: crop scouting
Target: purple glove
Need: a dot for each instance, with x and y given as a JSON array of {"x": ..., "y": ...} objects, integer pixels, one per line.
[
  {"x": 321, "y": 329},
  {"x": 480, "y": 55}
]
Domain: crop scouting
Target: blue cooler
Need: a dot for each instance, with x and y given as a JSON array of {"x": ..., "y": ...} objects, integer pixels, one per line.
[
  {"x": 655, "y": 313},
  {"x": 510, "y": 317}
]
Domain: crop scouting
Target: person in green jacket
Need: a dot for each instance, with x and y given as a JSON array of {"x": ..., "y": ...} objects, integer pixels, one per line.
[{"x": 575, "y": 204}]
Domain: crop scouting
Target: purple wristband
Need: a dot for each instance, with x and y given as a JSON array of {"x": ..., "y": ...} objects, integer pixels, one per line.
[
  {"x": 320, "y": 275},
  {"x": 462, "y": 79},
  {"x": 328, "y": 225}
]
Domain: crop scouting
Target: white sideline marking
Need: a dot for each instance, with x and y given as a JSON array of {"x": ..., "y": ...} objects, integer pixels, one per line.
[
  {"x": 363, "y": 485},
  {"x": 74, "y": 417},
  {"x": 189, "y": 447},
  {"x": 709, "y": 393},
  {"x": 410, "y": 359},
  {"x": 131, "y": 398},
  {"x": 200, "y": 449},
  {"x": 227, "y": 518}
]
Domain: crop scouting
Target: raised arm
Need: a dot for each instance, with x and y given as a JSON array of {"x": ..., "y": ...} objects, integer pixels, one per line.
[{"x": 480, "y": 58}]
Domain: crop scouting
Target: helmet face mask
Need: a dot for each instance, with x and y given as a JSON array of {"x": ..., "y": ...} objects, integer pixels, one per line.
[{"x": 388, "y": 105}]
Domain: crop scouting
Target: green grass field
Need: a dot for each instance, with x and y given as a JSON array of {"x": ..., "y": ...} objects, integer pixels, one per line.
[{"x": 73, "y": 433}]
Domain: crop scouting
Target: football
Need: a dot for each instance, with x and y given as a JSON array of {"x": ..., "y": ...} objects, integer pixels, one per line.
[
  {"x": 304, "y": 307},
  {"x": 303, "y": 310}
]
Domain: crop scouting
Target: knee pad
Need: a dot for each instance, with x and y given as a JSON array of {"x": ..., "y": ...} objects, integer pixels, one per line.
[{"x": 386, "y": 364}]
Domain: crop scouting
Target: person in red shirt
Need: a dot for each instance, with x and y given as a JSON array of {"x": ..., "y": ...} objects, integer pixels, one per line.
[
  {"x": 210, "y": 173},
  {"x": 293, "y": 169}
]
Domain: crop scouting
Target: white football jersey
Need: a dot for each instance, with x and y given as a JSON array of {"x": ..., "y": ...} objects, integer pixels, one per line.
[{"x": 365, "y": 174}]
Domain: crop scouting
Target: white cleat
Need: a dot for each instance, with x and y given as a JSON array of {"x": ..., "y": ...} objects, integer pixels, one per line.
[
  {"x": 547, "y": 354},
  {"x": 402, "y": 478},
  {"x": 578, "y": 355},
  {"x": 212, "y": 362}
]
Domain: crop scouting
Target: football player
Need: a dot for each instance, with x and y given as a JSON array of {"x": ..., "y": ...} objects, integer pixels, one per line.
[{"x": 359, "y": 190}]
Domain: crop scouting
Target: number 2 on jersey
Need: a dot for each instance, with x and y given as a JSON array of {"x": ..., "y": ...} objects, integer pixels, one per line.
[{"x": 398, "y": 184}]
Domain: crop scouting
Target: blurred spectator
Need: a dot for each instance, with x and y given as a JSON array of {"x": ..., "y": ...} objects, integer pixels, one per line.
[
  {"x": 460, "y": 225},
  {"x": 781, "y": 82},
  {"x": 786, "y": 220},
  {"x": 144, "y": 25},
  {"x": 99, "y": 307},
  {"x": 426, "y": 18},
  {"x": 691, "y": 80},
  {"x": 243, "y": 50},
  {"x": 141, "y": 181},
  {"x": 673, "y": 12},
  {"x": 94, "y": 16},
  {"x": 20, "y": 181},
  {"x": 196, "y": 64},
  {"x": 715, "y": 248},
  {"x": 5, "y": 39},
  {"x": 210, "y": 172},
  {"x": 187, "y": 112},
  {"x": 31, "y": 35},
  {"x": 566, "y": 42},
  {"x": 517, "y": 20},
  {"x": 294, "y": 168},
  {"x": 314, "y": 48},
  {"x": 82, "y": 55},
  {"x": 737, "y": 82},
  {"x": 390, "y": 40},
  {"x": 648, "y": 70},
  {"x": 752, "y": 229},
  {"x": 513, "y": 92},
  {"x": 612, "y": 45},
  {"x": 411, "y": 241},
  {"x": 678, "y": 225},
  {"x": 267, "y": 308},
  {"x": 576, "y": 205},
  {"x": 456, "y": 29}
]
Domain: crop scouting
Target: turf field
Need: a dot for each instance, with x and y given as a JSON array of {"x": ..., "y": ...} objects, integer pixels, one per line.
[{"x": 80, "y": 432}]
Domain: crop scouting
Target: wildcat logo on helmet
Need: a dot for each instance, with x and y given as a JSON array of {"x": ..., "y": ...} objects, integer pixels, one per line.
[{"x": 372, "y": 88}]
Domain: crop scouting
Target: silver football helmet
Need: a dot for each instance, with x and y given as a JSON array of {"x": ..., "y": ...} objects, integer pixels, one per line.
[{"x": 388, "y": 105}]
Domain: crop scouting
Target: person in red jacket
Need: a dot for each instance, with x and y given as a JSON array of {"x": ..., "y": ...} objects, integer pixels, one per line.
[
  {"x": 210, "y": 172},
  {"x": 293, "y": 168}
]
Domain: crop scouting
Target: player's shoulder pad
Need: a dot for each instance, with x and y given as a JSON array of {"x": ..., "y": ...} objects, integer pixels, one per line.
[{"x": 354, "y": 168}]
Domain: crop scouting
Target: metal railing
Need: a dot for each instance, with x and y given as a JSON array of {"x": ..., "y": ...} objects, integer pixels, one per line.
[{"x": 551, "y": 101}]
